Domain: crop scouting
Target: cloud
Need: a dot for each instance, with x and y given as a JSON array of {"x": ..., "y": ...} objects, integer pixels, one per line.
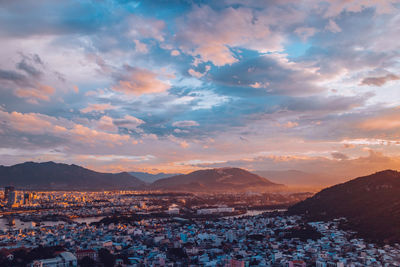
[
  {"x": 332, "y": 26},
  {"x": 389, "y": 120},
  {"x": 83, "y": 134},
  {"x": 379, "y": 81},
  {"x": 28, "y": 68},
  {"x": 288, "y": 124},
  {"x": 184, "y": 144},
  {"x": 175, "y": 53},
  {"x": 106, "y": 123},
  {"x": 336, "y": 7},
  {"x": 139, "y": 81},
  {"x": 129, "y": 122},
  {"x": 259, "y": 85},
  {"x": 339, "y": 156},
  {"x": 305, "y": 32},
  {"x": 183, "y": 124},
  {"x": 196, "y": 73},
  {"x": 268, "y": 72},
  {"x": 39, "y": 92},
  {"x": 142, "y": 27},
  {"x": 43, "y": 126},
  {"x": 141, "y": 47},
  {"x": 275, "y": 78},
  {"x": 13, "y": 76},
  {"x": 100, "y": 108},
  {"x": 225, "y": 29},
  {"x": 30, "y": 122}
]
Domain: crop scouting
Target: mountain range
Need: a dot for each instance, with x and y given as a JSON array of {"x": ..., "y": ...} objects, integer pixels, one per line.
[
  {"x": 371, "y": 205},
  {"x": 57, "y": 176},
  {"x": 60, "y": 176}
]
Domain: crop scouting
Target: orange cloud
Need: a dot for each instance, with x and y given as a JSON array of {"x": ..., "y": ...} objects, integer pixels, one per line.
[
  {"x": 388, "y": 121},
  {"x": 39, "y": 124},
  {"x": 140, "y": 81},
  {"x": 84, "y": 134},
  {"x": 40, "y": 92},
  {"x": 97, "y": 108},
  {"x": 232, "y": 27}
]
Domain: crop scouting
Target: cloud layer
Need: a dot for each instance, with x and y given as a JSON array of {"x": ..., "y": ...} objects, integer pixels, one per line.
[{"x": 123, "y": 85}]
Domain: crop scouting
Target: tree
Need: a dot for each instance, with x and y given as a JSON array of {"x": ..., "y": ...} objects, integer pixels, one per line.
[
  {"x": 87, "y": 262},
  {"x": 106, "y": 257}
]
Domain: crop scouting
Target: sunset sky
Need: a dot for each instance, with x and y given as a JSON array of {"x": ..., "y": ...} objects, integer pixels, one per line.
[{"x": 176, "y": 86}]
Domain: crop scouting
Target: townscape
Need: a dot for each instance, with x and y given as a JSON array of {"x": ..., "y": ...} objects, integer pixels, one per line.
[
  {"x": 149, "y": 229},
  {"x": 64, "y": 205},
  {"x": 268, "y": 239}
]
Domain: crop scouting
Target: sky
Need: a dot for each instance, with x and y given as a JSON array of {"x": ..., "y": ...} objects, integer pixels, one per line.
[{"x": 176, "y": 86}]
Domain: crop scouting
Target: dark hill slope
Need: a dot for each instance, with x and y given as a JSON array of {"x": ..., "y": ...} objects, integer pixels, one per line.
[
  {"x": 58, "y": 176},
  {"x": 370, "y": 203}
]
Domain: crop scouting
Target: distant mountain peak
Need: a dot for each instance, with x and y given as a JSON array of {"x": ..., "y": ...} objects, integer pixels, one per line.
[{"x": 225, "y": 179}]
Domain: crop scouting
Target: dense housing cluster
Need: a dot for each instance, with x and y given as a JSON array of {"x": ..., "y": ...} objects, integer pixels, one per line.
[{"x": 269, "y": 239}]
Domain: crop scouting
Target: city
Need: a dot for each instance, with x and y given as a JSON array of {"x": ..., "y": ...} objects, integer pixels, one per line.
[
  {"x": 174, "y": 229},
  {"x": 185, "y": 133}
]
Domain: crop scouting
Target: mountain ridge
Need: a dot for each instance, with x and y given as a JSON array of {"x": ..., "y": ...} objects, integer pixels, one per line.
[
  {"x": 60, "y": 176},
  {"x": 51, "y": 175}
]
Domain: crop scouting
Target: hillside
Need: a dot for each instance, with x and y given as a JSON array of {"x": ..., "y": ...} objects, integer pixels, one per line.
[
  {"x": 370, "y": 203},
  {"x": 217, "y": 180},
  {"x": 50, "y": 175}
]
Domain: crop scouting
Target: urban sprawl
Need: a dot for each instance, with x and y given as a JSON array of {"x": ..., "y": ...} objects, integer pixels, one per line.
[{"x": 160, "y": 229}]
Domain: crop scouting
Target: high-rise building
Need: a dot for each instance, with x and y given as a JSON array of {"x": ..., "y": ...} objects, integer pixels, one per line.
[
  {"x": 27, "y": 198},
  {"x": 7, "y": 190},
  {"x": 12, "y": 198}
]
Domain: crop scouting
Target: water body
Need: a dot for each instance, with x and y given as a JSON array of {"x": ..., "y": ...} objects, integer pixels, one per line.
[
  {"x": 254, "y": 213},
  {"x": 18, "y": 224}
]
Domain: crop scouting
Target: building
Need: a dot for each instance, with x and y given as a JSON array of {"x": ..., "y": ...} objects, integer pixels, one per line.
[
  {"x": 91, "y": 253},
  {"x": 234, "y": 263},
  {"x": 64, "y": 259},
  {"x": 28, "y": 198},
  {"x": 7, "y": 191},
  {"x": 11, "y": 199},
  {"x": 173, "y": 209},
  {"x": 296, "y": 263}
]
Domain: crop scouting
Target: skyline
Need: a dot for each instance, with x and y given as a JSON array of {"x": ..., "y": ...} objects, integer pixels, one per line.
[{"x": 157, "y": 87}]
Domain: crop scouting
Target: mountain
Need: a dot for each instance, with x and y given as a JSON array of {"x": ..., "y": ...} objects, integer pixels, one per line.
[
  {"x": 216, "y": 180},
  {"x": 59, "y": 176},
  {"x": 150, "y": 178},
  {"x": 371, "y": 205},
  {"x": 299, "y": 178}
]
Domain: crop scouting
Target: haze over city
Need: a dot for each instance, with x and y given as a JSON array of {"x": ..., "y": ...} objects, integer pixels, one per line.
[{"x": 178, "y": 86}]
